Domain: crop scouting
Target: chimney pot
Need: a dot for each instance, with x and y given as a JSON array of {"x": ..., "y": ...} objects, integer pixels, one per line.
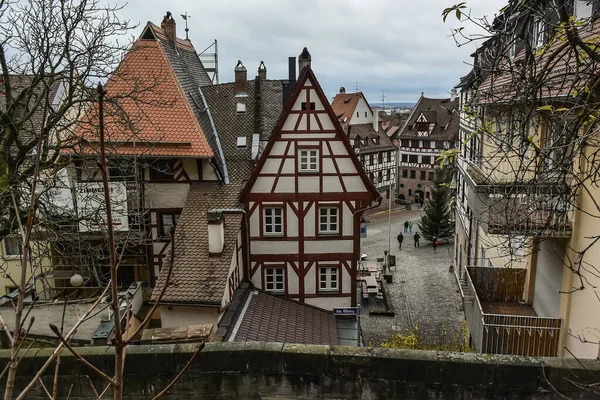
[
  {"x": 376, "y": 120},
  {"x": 304, "y": 60},
  {"x": 240, "y": 79},
  {"x": 262, "y": 71},
  {"x": 169, "y": 26},
  {"x": 292, "y": 69},
  {"x": 342, "y": 90}
]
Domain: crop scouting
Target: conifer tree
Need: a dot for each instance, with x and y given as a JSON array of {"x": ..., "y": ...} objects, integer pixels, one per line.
[{"x": 437, "y": 221}]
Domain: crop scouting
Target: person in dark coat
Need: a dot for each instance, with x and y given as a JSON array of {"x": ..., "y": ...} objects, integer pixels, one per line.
[
  {"x": 400, "y": 240},
  {"x": 417, "y": 237},
  {"x": 435, "y": 243},
  {"x": 405, "y": 226}
]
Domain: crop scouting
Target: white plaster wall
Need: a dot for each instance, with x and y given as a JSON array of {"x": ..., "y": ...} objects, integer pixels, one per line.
[
  {"x": 263, "y": 184},
  {"x": 288, "y": 166},
  {"x": 279, "y": 247},
  {"x": 292, "y": 280},
  {"x": 313, "y": 123},
  {"x": 346, "y": 281},
  {"x": 361, "y": 108},
  {"x": 208, "y": 172},
  {"x": 308, "y": 184},
  {"x": 328, "y": 303},
  {"x": 166, "y": 195},
  {"x": 190, "y": 165},
  {"x": 328, "y": 166},
  {"x": 290, "y": 122},
  {"x": 328, "y": 246},
  {"x": 338, "y": 148},
  {"x": 331, "y": 184},
  {"x": 354, "y": 184},
  {"x": 326, "y": 122},
  {"x": 292, "y": 222},
  {"x": 314, "y": 98},
  {"x": 348, "y": 221},
  {"x": 278, "y": 148},
  {"x": 256, "y": 278},
  {"x": 309, "y": 222},
  {"x": 186, "y": 316},
  {"x": 310, "y": 280},
  {"x": 346, "y": 165},
  {"x": 271, "y": 166},
  {"x": 286, "y": 184},
  {"x": 255, "y": 222}
]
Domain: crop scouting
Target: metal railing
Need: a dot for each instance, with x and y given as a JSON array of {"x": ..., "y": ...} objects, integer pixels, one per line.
[{"x": 508, "y": 334}]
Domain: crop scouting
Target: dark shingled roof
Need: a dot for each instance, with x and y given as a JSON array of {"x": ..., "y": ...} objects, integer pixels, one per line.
[
  {"x": 269, "y": 318},
  {"x": 366, "y": 131},
  {"x": 198, "y": 277},
  {"x": 443, "y": 112}
]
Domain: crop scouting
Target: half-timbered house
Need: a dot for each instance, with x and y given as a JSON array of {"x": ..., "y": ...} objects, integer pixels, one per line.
[{"x": 304, "y": 202}]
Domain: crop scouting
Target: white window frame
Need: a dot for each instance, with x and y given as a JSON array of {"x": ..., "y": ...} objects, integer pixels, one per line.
[
  {"x": 269, "y": 213},
  {"x": 330, "y": 219},
  {"x": 512, "y": 47},
  {"x": 583, "y": 10},
  {"x": 538, "y": 33},
  {"x": 308, "y": 160},
  {"x": 275, "y": 286},
  {"x": 329, "y": 279},
  {"x": 5, "y": 254}
]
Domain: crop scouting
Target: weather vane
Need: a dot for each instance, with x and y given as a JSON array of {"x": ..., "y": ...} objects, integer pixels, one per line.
[{"x": 185, "y": 18}]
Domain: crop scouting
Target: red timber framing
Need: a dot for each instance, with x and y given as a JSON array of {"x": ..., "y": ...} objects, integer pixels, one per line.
[{"x": 282, "y": 179}]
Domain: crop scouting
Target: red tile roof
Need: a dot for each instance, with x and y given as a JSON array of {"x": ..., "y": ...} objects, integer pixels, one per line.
[
  {"x": 160, "y": 121},
  {"x": 269, "y": 318},
  {"x": 343, "y": 105}
]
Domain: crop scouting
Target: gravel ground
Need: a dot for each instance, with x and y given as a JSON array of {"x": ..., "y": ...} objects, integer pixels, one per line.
[{"x": 423, "y": 292}]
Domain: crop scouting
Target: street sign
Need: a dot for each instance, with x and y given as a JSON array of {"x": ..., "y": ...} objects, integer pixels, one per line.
[
  {"x": 363, "y": 231},
  {"x": 345, "y": 311}
]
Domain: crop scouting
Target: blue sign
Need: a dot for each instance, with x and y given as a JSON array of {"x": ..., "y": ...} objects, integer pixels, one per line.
[
  {"x": 363, "y": 231},
  {"x": 345, "y": 311}
]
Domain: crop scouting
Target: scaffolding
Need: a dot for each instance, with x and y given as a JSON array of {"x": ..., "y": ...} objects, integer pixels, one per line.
[{"x": 210, "y": 60}]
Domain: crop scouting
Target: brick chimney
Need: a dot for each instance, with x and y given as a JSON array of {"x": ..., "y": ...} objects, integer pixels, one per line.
[
  {"x": 304, "y": 60},
  {"x": 262, "y": 71},
  {"x": 342, "y": 90},
  {"x": 240, "y": 79},
  {"x": 216, "y": 233},
  {"x": 169, "y": 26}
]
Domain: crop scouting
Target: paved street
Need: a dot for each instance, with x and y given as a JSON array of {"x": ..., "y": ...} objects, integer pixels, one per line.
[{"x": 423, "y": 292}]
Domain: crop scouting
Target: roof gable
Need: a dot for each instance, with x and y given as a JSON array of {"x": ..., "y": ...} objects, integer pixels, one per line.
[{"x": 299, "y": 122}]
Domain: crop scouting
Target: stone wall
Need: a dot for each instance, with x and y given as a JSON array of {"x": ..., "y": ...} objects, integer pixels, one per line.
[{"x": 274, "y": 370}]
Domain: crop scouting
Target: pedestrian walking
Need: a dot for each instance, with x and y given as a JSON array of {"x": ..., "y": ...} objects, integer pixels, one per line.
[
  {"x": 421, "y": 203},
  {"x": 410, "y": 227},
  {"x": 405, "y": 226},
  {"x": 400, "y": 240},
  {"x": 435, "y": 243},
  {"x": 417, "y": 237}
]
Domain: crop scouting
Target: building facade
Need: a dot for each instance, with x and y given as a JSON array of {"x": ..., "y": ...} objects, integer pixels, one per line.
[{"x": 431, "y": 128}]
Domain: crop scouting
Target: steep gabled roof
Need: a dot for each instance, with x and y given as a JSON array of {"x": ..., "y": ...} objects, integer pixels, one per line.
[
  {"x": 443, "y": 112},
  {"x": 147, "y": 110},
  {"x": 344, "y": 104},
  {"x": 307, "y": 74}
]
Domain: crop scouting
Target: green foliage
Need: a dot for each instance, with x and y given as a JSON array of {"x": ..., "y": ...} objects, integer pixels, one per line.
[
  {"x": 437, "y": 221},
  {"x": 457, "y": 9},
  {"x": 444, "y": 341},
  {"x": 3, "y": 175}
]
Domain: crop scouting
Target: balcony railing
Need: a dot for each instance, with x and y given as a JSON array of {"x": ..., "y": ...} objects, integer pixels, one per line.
[{"x": 526, "y": 335}]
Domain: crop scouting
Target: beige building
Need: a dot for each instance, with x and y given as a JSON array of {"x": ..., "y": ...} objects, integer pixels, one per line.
[{"x": 526, "y": 204}]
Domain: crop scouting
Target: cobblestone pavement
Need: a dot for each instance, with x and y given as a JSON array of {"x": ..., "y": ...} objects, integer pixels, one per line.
[{"x": 423, "y": 291}]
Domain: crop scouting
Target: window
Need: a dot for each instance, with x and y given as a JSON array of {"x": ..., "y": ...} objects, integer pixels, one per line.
[
  {"x": 423, "y": 177},
  {"x": 413, "y": 158},
  {"x": 410, "y": 191},
  {"x": 240, "y": 108},
  {"x": 404, "y": 157},
  {"x": 11, "y": 247},
  {"x": 389, "y": 156},
  {"x": 362, "y": 159},
  {"x": 427, "y": 195},
  {"x": 167, "y": 221},
  {"x": 308, "y": 160},
  {"x": 426, "y": 159},
  {"x": 273, "y": 221},
  {"x": 274, "y": 279},
  {"x": 10, "y": 289},
  {"x": 405, "y": 143},
  {"x": 328, "y": 279},
  {"x": 431, "y": 176},
  {"x": 380, "y": 158},
  {"x": 241, "y": 142},
  {"x": 312, "y": 105},
  {"x": 439, "y": 144},
  {"x": 433, "y": 144},
  {"x": 583, "y": 9},
  {"x": 380, "y": 176},
  {"x": 405, "y": 173},
  {"x": 121, "y": 170},
  {"x": 420, "y": 143},
  {"x": 357, "y": 115},
  {"x": 371, "y": 159},
  {"x": 422, "y": 129},
  {"x": 537, "y": 37},
  {"x": 328, "y": 220},
  {"x": 388, "y": 175},
  {"x": 365, "y": 114},
  {"x": 161, "y": 170},
  {"x": 512, "y": 47},
  {"x": 413, "y": 174},
  {"x": 356, "y": 142}
]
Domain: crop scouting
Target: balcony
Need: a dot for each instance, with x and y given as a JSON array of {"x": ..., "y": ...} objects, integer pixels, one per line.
[
  {"x": 538, "y": 208},
  {"x": 499, "y": 323}
]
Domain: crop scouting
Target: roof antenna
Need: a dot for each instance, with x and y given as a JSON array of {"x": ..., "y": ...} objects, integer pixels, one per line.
[{"x": 185, "y": 18}]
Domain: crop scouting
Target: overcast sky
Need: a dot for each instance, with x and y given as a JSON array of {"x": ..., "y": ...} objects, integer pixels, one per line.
[{"x": 400, "y": 46}]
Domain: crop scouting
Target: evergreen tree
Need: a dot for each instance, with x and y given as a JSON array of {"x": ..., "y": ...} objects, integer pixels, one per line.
[{"x": 437, "y": 221}]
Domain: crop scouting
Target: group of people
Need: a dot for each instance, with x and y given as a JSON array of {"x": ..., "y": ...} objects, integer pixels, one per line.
[{"x": 408, "y": 225}]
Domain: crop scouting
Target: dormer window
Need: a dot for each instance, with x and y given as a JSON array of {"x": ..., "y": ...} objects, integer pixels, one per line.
[
  {"x": 537, "y": 37},
  {"x": 422, "y": 129},
  {"x": 241, "y": 142},
  {"x": 240, "y": 108}
]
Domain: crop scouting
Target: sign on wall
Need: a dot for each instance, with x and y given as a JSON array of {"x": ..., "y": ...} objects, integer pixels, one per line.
[{"x": 89, "y": 198}]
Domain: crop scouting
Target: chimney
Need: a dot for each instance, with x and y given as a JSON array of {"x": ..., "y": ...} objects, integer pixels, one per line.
[
  {"x": 303, "y": 60},
  {"x": 262, "y": 71},
  {"x": 240, "y": 79},
  {"x": 342, "y": 90},
  {"x": 216, "y": 233},
  {"x": 292, "y": 69},
  {"x": 169, "y": 26},
  {"x": 453, "y": 94},
  {"x": 376, "y": 120}
]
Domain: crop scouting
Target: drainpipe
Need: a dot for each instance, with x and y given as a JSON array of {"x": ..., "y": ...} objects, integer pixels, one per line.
[{"x": 246, "y": 233}]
